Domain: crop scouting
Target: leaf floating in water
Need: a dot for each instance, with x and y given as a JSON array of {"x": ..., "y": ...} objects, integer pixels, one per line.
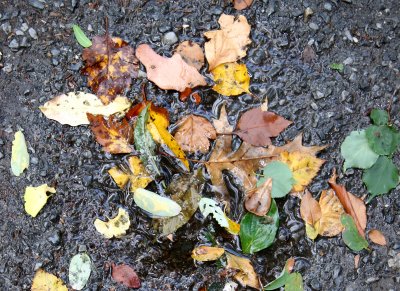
[
  {"x": 79, "y": 271},
  {"x": 19, "y": 155},
  {"x": 46, "y": 281},
  {"x": 36, "y": 197},
  {"x": 115, "y": 227},
  {"x": 80, "y": 36},
  {"x": 155, "y": 204}
]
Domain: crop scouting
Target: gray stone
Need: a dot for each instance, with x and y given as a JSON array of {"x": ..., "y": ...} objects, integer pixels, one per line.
[
  {"x": 55, "y": 238},
  {"x": 169, "y": 38},
  {"x": 24, "y": 27},
  {"x": 314, "y": 106},
  {"x": 313, "y": 26},
  {"x": 328, "y": 6},
  {"x": 348, "y": 61},
  {"x": 1, "y": 155},
  {"x": 19, "y": 32},
  {"x": 36, "y": 3},
  {"x": 24, "y": 42},
  {"x": 32, "y": 32},
  {"x": 14, "y": 44},
  {"x": 6, "y": 27},
  {"x": 7, "y": 68},
  {"x": 318, "y": 95}
]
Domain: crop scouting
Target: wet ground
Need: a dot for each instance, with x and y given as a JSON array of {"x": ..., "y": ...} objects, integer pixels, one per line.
[{"x": 289, "y": 62}]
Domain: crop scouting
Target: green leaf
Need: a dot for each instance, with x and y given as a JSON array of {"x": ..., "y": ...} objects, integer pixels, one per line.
[
  {"x": 282, "y": 178},
  {"x": 379, "y": 116},
  {"x": 258, "y": 233},
  {"x": 155, "y": 204},
  {"x": 337, "y": 67},
  {"x": 145, "y": 144},
  {"x": 350, "y": 234},
  {"x": 294, "y": 282},
  {"x": 208, "y": 206},
  {"x": 79, "y": 271},
  {"x": 381, "y": 177},
  {"x": 278, "y": 282},
  {"x": 19, "y": 154},
  {"x": 382, "y": 139},
  {"x": 357, "y": 152},
  {"x": 80, "y": 36}
]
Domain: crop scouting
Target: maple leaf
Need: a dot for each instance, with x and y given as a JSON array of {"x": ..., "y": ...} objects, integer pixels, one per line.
[
  {"x": 191, "y": 53},
  {"x": 194, "y": 132},
  {"x": 229, "y": 43},
  {"x": 115, "y": 136},
  {"x": 231, "y": 79},
  {"x": 297, "y": 146},
  {"x": 110, "y": 65},
  {"x": 169, "y": 73}
]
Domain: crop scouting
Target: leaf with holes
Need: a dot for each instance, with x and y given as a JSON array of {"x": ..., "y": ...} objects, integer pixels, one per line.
[
  {"x": 208, "y": 206},
  {"x": 114, "y": 227}
]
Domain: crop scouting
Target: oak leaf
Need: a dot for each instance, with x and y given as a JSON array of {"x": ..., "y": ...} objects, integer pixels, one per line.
[
  {"x": 242, "y": 4},
  {"x": 194, "y": 132},
  {"x": 125, "y": 275},
  {"x": 206, "y": 253},
  {"x": 231, "y": 79},
  {"x": 110, "y": 65},
  {"x": 115, "y": 136},
  {"x": 191, "y": 53},
  {"x": 259, "y": 201},
  {"x": 169, "y": 73},
  {"x": 229, "y": 43},
  {"x": 331, "y": 211},
  {"x": 377, "y": 237},
  {"x": 246, "y": 275}
]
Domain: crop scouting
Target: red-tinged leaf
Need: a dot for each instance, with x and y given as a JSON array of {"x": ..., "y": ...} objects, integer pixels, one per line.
[
  {"x": 135, "y": 110},
  {"x": 125, "y": 275},
  {"x": 256, "y": 126},
  {"x": 183, "y": 96}
]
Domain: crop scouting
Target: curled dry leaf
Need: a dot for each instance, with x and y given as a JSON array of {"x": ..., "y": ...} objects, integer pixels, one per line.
[
  {"x": 36, "y": 197},
  {"x": 191, "y": 53},
  {"x": 71, "y": 108},
  {"x": 259, "y": 201},
  {"x": 194, "y": 132},
  {"x": 229, "y": 43},
  {"x": 46, "y": 281},
  {"x": 110, "y": 65},
  {"x": 115, "y": 227},
  {"x": 206, "y": 253},
  {"x": 331, "y": 211},
  {"x": 257, "y": 127},
  {"x": 169, "y": 73},
  {"x": 231, "y": 79},
  {"x": 246, "y": 275},
  {"x": 114, "y": 135},
  {"x": 377, "y": 237},
  {"x": 125, "y": 275},
  {"x": 242, "y": 4},
  {"x": 310, "y": 210}
]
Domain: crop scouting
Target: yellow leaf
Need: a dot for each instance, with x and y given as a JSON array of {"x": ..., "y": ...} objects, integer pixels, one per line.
[
  {"x": 155, "y": 204},
  {"x": 36, "y": 197},
  {"x": 233, "y": 227},
  {"x": 157, "y": 125},
  {"x": 206, "y": 253},
  {"x": 44, "y": 281},
  {"x": 246, "y": 275},
  {"x": 304, "y": 167},
  {"x": 331, "y": 211},
  {"x": 231, "y": 79},
  {"x": 137, "y": 175},
  {"x": 312, "y": 231},
  {"x": 19, "y": 154},
  {"x": 114, "y": 227}
]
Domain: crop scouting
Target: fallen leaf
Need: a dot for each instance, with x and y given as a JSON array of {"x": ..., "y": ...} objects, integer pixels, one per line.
[
  {"x": 222, "y": 125},
  {"x": 382, "y": 139},
  {"x": 36, "y": 197},
  {"x": 257, "y": 127},
  {"x": 155, "y": 204},
  {"x": 231, "y": 79},
  {"x": 246, "y": 275},
  {"x": 191, "y": 53},
  {"x": 282, "y": 178},
  {"x": 310, "y": 210},
  {"x": 206, "y": 253},
  {"x": 331, "y": 211},
  {"x": 19, "y": 154},
  {"x": 356, "y": 261},
  {"x": 297, "y": 146},
  {"x": 71, "y": 108},
  {"x": 80, "y": 36},
  {"x": 46, "y": 281},
  {"x": 259, "y": 201},
  {"x": 379, "y": 116},
  {"x": 229, "y": 43},
  {"x": 264, "y": 105},
  {"x": 79, "y": 271},
  {"x": 242, "y": 4},
  {"x": 183, "y": 96},
  {"x": 136, "y": 174},
  {"x": 169, "y": 73},
  {"x": 377, "y": 237},
  {"x": 350, "y": 235},
  {"x": 115, "y": 227},
  {"x": 125, "y": 275},
  {"x": 292, "y": 282},
  {"x": 194, "y": 132},
  {"x": 312, "y": 231},
  {"x": 110, "y": 65}
]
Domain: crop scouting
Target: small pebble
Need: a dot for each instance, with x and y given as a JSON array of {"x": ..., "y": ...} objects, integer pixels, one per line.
[
  {"x": 314, "y": 106},
  {"x": 6, "y": 27},
  {"x": 1, "y": 155},
  {"x": 19, "y": 32},
  {"x": 24, "y": 27},
  {"x": 328, "y": 6},
  {"x": 313, "y": 26},
  {"x": 36, "y": 3},
  {"x": 33, "y": 33},
  {"x": 169, "y": 38},
  {"x": 307, "y": 14},
  {"x": 14, "y": 44},
  {"x": 7, "y": 68},
  {"x": 348, "y": 61},
  {"x": 55, "y": 238}
]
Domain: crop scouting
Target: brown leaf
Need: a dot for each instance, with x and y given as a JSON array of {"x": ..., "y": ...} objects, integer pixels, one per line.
[
  {"x": 309, "y": 209},
  {"x": 115, "y": 136},
  {"x": 256, "y": 126},
  {"x": 377, "y": 237},
  {"x": 194, "y": 132},
  {"x": 169, "y": 73},
  {"x": 356, "y": 261},
  {"x": 259, "y": 201},
  {"x": 242, "y": 4},
  {"x": 191, "y": 53},
  {"x": 229, "y": 43},
  {"x": 206, "y": 253},
  {"x": 331, "y": 210},
  {"x": 125, "y": 275},
  {"x": 351, "y": 204},
  {"x": 110, "y": 65},
  {"x": 222, "y": 124},
  {"x": 246, "y": 275}
]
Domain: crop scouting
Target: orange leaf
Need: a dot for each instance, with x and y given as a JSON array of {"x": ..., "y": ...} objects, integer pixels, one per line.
[
  {"x": 309, "y": 209},
  {"x": 377, "y": 237},
  {"x": 206, "y": 253},
  {"x": 259, "y": 201},
  {"x": 331, "y": 210},
  {"x": 246, "y": 275},
  {"x": 191, "y": 53}
]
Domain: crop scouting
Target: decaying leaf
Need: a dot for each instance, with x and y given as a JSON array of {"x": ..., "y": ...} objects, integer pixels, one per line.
[
  {"x": 169, "y": 73},
  {"x": 206, "y": 253},
  {"x": 310, "y": 209},
  {"x": 257, "y": 127},
  {"x": 242, "y": 4},
  {"x": 191, "y": 53},
  {"x": 377, "y": 237},
  {"x": 110, "y": 65},
  {"x": 116, "y": 136},
  {"x": 36, "y": 197},
  {"x": 259, "y": 201},
  {"x": 331, "y": 211},
  {"x": 155, "y": 204},
  {"x": 19, "y": 154},
  {"x": 136, "y": 174},
  {"x": 222, "y": 125},
  {"x": 194, "y": 132},
  {"x": 231, "y": 79},
  {"x": 115, "y": 227},
  {"x": 125, "y": 275},
  {"x": 46, "y": 281},
  {"x": 350, "y": 235},
  {"x": 79, "y": 271},
  {"x": 71, "y": 108},
  {"x": 246, "y": 275},
  {"x": 229, "y": 43}
]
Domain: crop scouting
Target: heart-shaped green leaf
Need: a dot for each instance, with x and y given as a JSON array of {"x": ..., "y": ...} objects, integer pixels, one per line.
[
  {"x": 282, "y": 178},
  {"x": 379, "y": 116},
  {"x": 383, "y": 139}
]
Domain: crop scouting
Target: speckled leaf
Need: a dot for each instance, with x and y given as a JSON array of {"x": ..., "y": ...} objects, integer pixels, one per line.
[
  {"x": 80, "y": 36},
  {"x": 155, "y": 204},
  {"x": 19, "y": 154},
  {"x": 208, "y": 206},
  {"x": 350, "y": 234},
  {"x": 282, "y": 178},
  {"x": 231, "y": 79},
  {"x": 79, "y": 271}
]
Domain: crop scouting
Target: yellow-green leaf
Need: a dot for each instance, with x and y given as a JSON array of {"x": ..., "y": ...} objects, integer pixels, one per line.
[
  {"x": 206, "y": 253},
  {"x": 19, "y": 155},
  {"x": 44, "y": 281},
  {"x": 36, "y": 197},
  {"x": 114, "y": 227},
  {"x": 155, "y": 204},
  {"x": 231, "y": 79}
]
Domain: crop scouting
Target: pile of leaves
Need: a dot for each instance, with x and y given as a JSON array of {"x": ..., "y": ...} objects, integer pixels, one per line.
[{"x": 140, "y": 134}]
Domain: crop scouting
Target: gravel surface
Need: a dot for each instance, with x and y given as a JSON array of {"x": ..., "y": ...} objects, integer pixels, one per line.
[{"x": 289, "y": 62}]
